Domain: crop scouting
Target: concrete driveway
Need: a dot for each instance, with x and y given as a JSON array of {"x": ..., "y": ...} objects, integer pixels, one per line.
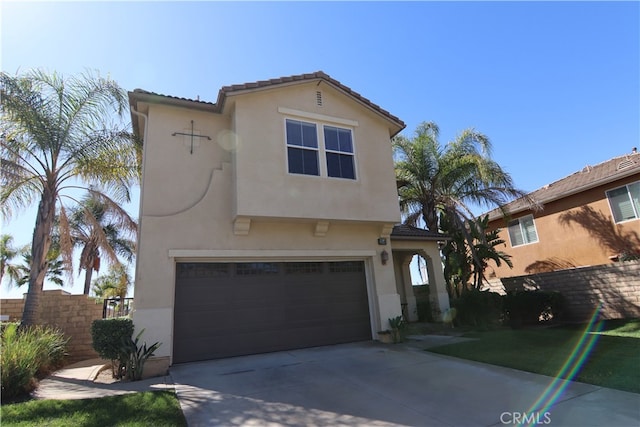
[{"x": 371, "y": 384}]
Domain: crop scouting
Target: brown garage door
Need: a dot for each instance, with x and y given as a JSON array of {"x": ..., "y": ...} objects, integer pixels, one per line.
[{"x": 232, "y": 309}]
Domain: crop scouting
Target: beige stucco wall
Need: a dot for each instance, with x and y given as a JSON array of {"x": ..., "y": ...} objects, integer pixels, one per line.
[
  {"x": 264, "y": 188},
  {"x": 191, "y": 203}
]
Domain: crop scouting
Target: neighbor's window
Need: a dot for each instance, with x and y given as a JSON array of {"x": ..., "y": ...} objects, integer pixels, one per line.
[
  {"x": 302, "y": 147},
  {"x": 625, "y": 202},
  {"x": 522, "y": 231},
  {"x": 339, "y": 151}
]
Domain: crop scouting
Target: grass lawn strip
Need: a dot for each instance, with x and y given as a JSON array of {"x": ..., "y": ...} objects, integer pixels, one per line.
[
  {"x": 613, "y": 361},
  {"x": 152, "y": 408}
]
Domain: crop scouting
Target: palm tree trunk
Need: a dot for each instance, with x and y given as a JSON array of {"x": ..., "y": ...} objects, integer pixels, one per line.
[
  {"x": 87, "y": 277},
  {"x": 39, "y": 248}
]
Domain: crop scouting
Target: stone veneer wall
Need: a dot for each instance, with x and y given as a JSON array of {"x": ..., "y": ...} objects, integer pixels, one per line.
[
  {"x": 72, "y": 314},
  {"x": 615, "y": 286}
]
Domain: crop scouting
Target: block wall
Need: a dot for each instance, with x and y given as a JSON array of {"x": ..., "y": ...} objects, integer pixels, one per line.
[
  {"x": 72, "y": 314},
  {"x": 616, "y": 287}
]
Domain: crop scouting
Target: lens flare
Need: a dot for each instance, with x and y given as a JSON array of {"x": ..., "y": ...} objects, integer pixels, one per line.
[{"x": 571, "y": 367}]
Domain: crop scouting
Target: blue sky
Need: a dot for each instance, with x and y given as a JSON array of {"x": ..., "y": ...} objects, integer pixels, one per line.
[{"x": 555, "y": 85}]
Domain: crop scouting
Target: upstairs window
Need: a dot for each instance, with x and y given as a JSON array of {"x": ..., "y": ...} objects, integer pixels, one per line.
[
  {"x": 625, "y": 202},
  {"x": 302, "y": 147},
  {"x": 339, "y": 151},
  {"x": 522, "y": 231}
]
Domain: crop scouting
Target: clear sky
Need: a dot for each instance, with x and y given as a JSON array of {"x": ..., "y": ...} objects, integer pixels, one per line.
[{"x": 555, "y": 85}]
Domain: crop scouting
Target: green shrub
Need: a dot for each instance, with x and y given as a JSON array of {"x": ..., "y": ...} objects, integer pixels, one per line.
[
  {"x": 477, "y": 308},
  {"x": 107, "y": 336},
  {"x": 133, "y": 357},
  {"x": 531, "y": 307},
  {"x": 28, "y": 354}
]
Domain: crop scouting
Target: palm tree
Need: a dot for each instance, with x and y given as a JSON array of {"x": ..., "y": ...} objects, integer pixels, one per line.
[
  {"x": 55, "y": 267},
  {"x": 99, "y": 227},
  {"x": 59, "y": 134},
  {"x": 115, "y": 283},
  {"x": 485, "y": 247},
  {"x": 7, "y": 254},
  {"x": 434, "y": 179},
  {"x": 464, "y": 265}
]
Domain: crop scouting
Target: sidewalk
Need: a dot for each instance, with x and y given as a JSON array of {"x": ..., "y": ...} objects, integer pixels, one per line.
[{"x": 77, "y": 381}]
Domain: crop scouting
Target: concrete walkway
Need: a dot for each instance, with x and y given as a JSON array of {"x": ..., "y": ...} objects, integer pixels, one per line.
[{"x": 77, "y": 381}]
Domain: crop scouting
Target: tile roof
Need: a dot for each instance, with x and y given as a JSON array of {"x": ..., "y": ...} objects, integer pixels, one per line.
[
  {"x": 585, "y": 179},
  {"x": 403, "y": 231},
  {"x": 143, "y": 95}
]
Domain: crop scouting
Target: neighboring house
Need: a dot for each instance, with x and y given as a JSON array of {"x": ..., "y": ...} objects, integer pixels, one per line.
[
  {"x": 591, "y": 217},
  {"x": 268, "y": 221}
]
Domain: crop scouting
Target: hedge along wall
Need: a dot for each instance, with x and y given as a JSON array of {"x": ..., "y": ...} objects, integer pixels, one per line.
[
  {"x": 616, "y": 286},
  {"x": 72, "y": 314}
]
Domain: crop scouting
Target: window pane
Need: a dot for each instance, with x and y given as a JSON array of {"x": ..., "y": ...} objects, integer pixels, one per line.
[
  {"x": 515, "y": 234},
  {"x": 333, "y": 164},
  {"x": 634, "y": 191},
  {"x": 346, "y": 166},
  {"x": 309, "y": 135},
  {"x": 344, "y": 136},
  {"x": 340, "y": 166},
  {"x": 294, "y": 132},
  {"x": 621, "y": 204},
  {"x": 331, "y": 138},
  {"x": 295, "y": 160},
  {"x": 310, "y": 159},
  {"x": 301, "y": 133},
  {"x": 530, "y": 235}
]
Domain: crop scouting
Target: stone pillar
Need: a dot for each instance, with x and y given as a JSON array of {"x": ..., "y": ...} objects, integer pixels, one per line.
[{"x": 438, "y": 296}]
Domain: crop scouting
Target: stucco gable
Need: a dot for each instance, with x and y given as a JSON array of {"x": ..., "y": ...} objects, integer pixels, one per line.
[{"x": 143, "y": 96}]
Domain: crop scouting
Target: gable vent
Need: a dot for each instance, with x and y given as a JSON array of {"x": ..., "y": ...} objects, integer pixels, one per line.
[
  {"x": 627, "y": 163},
  {"x": 319, "y": 99}
]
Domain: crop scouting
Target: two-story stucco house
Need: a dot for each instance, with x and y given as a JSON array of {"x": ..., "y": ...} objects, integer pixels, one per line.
[
  {"x": 590, "y": 217},
  {"x": 267, "y": 221}
]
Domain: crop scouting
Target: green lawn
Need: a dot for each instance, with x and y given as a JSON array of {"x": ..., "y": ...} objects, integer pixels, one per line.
[
  {"x": 612, "y": 360},
  {"x": 153, "y": 408}
]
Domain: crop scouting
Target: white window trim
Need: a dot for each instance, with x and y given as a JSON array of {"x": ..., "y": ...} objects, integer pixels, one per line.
[
  {"x": 633, "y": 206},
  {"x": 352, "y": 153},
  {"x": 317, "y": 150},
  {"x": 522, "y": 231},
  {"x": 322, "y": 149}
]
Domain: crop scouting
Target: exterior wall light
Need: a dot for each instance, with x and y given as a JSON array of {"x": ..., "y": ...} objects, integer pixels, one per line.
[{"x": 384, "y": 257}]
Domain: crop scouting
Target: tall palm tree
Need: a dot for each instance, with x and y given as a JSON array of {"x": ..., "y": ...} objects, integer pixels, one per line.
[
  {"x": 59, "y": 134},
  {"x": 7, "y": 253},
  {"x": 434, "y": 179},
  {"x": 101, "y": 228}
]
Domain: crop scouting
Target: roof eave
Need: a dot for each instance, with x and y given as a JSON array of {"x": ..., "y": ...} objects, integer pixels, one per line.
[{"x": 576, "y": 190}]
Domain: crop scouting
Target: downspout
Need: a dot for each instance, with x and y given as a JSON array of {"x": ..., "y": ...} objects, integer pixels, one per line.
[{"x": 144, "y": 149}]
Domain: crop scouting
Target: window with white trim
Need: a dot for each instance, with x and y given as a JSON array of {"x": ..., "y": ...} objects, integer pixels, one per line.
[
  {"x": 302, "y": 147},
  {"x": 522, "y": 231},
  {"x": 305, "y": 146},
  {"x": 625, "y": 202},
  {"x": 339, "y": 152}
]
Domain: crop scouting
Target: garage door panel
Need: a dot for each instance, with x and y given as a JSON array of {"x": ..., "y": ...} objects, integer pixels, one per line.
[{"x": 261, "y": 307}]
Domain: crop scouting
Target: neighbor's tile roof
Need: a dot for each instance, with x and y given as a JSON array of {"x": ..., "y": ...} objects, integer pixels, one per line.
[
  {"x": 403, "y": 231},
  {"x": 143, "y": 95},
  {"x": 585, "y": 179}
]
